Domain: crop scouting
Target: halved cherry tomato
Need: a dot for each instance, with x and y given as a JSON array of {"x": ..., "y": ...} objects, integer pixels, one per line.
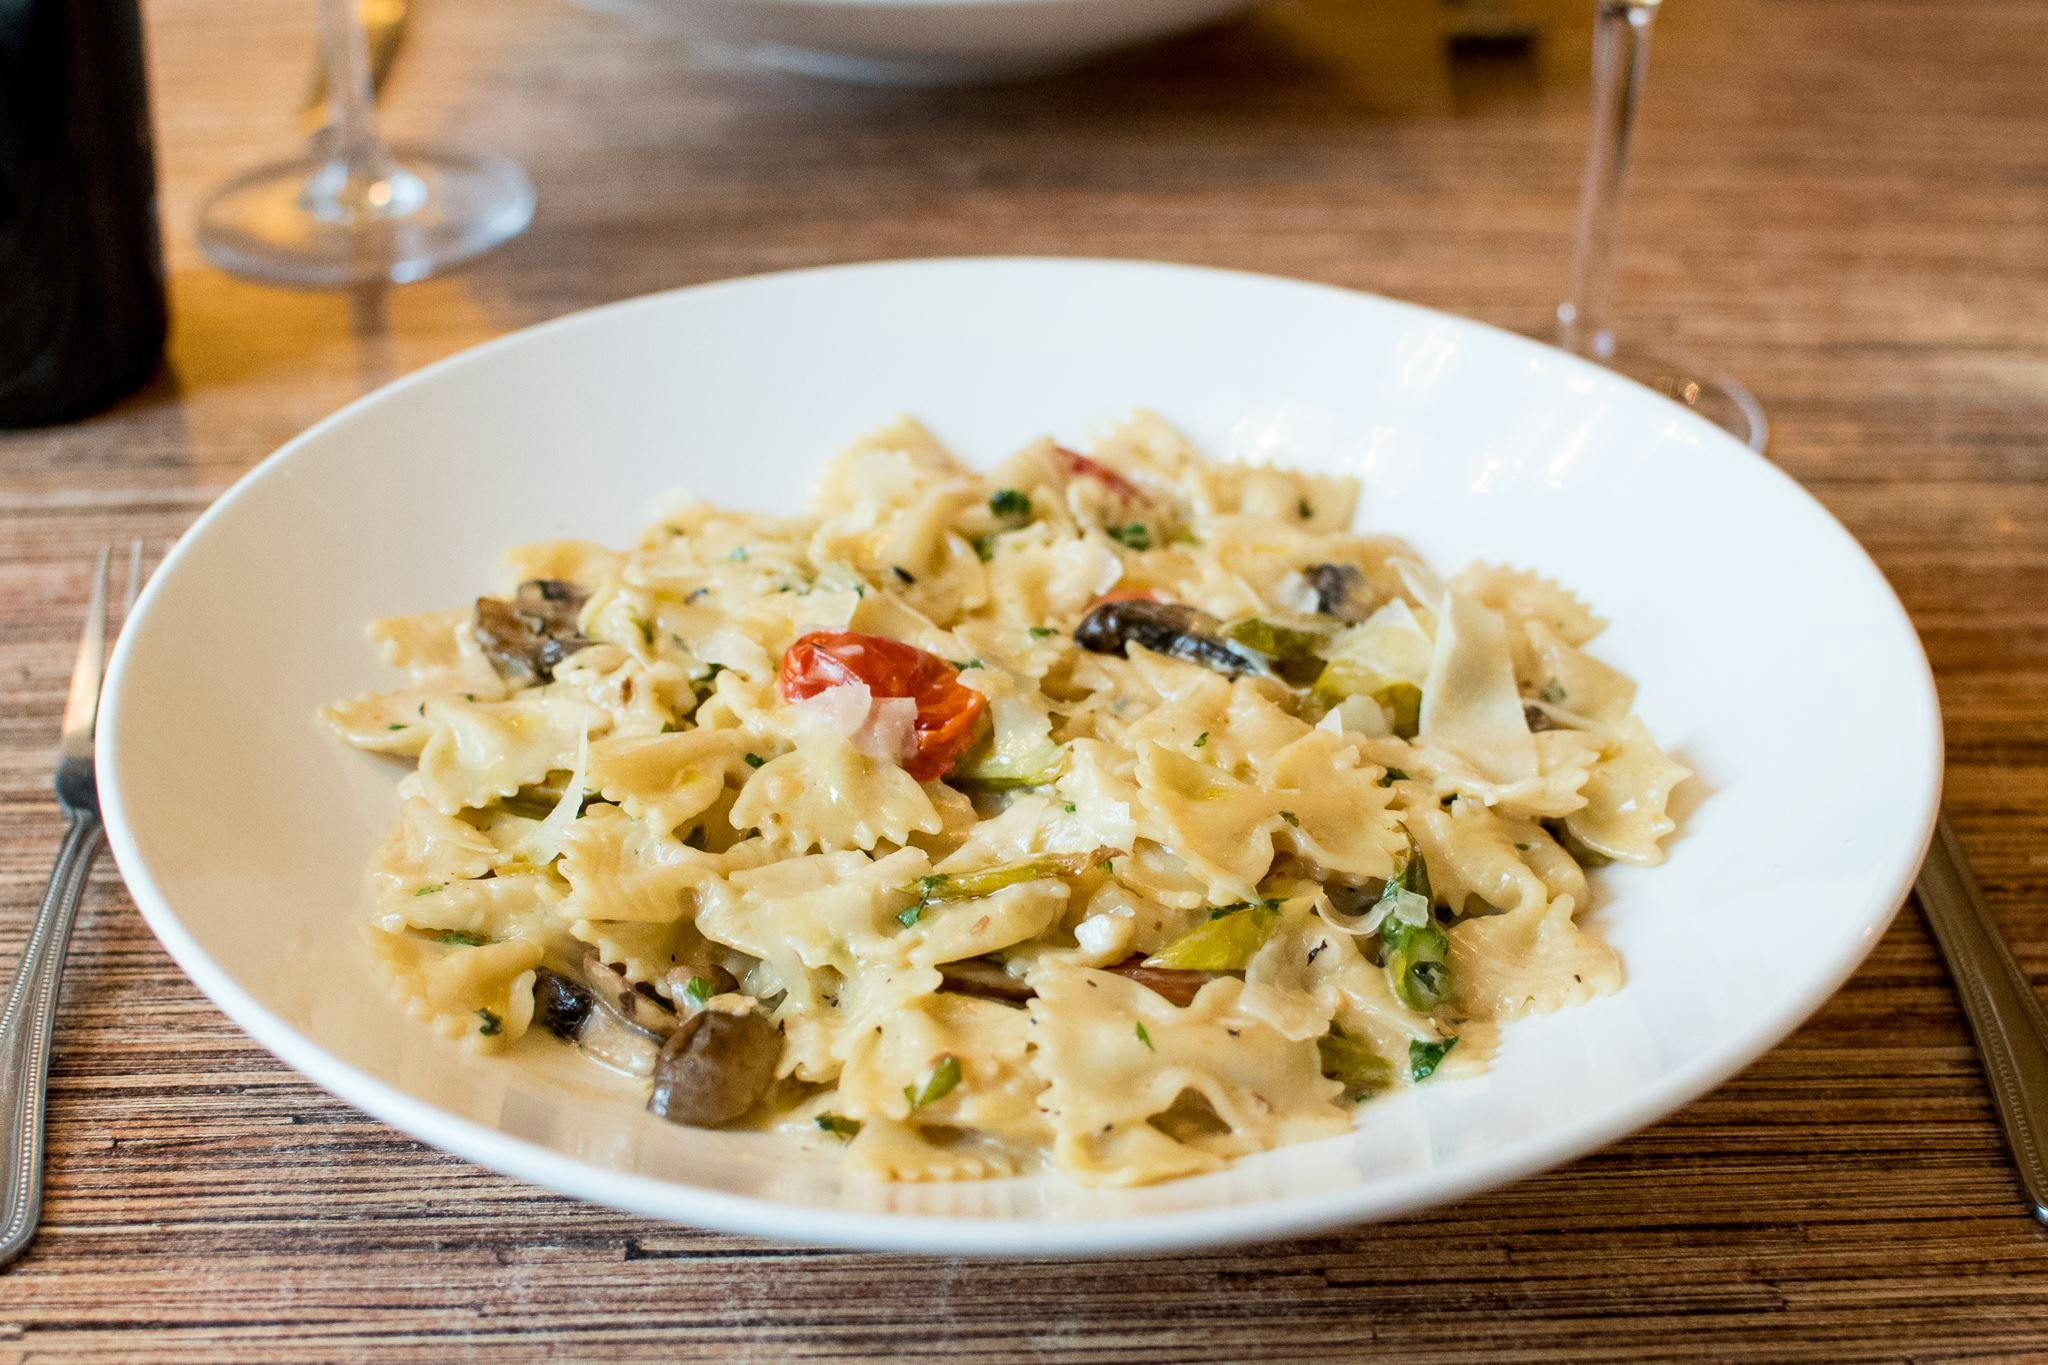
[
  {"x": 1080, "y": 464},
  {"x": 948, "y": 711}
]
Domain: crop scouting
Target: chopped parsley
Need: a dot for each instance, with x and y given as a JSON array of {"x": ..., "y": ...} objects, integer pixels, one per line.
[
  {"x": 695, "y": 595},
  {"x": 462, "y": 938},
  {"x": 845, "y": 1129},
  {"x": 1136, "y": 536},
  {"x": 903, "y": 575},
  {"x": 984, "y": 548},
  {"x": 697, "y": 990},
  {"x": 646, "y": 632},
  {"x": 910, "y": 914},
  {"x": 1070, "y": 808},
  {"x": 430, "y": 888},
  {"x": 491, "y": 1026},
  {"x": 1423, "y": 1058},
  {"x": 738, "y": 555},
  {"x": 1303, "y": 510},
  {"x": 399, "y": 725},
  {"x": 1008, "y": 502},
  {"x": 1552, "y": 692},
  {"x": 1146, "y": 1038},
  {"x": 1040, "y": 632},
  {"x": 1393, "y": 775},
  {"x": 945, "y": 1075},
  {"x": 1202, "y": 740},
  {"x": 755, "y": 760},
  {"x": 1291, "y": 818}
]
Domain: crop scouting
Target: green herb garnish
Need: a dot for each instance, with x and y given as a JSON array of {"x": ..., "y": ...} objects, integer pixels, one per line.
[
  {"x": 1291, "y": 818},
  {"x": 430, "y": 888},
  {"x": 844, "y": 1129},
  {"x": 1135, "y": 536},
  {"x": 903, "y": 575},
  {"x": 697, "y": 990},
  {"x": 398, "y": 725},
  {"x": 1146, "y": 1039},
  {"x": 910, "y": 914},
  {"x": 1552, "y": 692},
  {"x": 945, "y": 1075},
  {"x": 491, "y": 1025},
  {"x": 1008, "y": 502},
  {"x": 755, "y": 760},
  {"x": 1423, "y": 1058},
  {"x": 462, "y": 938},
  {"x": 1304, "y": 510},
  {"x": 1040, "y": 632},
  {"x": 1202, "y": 740}
]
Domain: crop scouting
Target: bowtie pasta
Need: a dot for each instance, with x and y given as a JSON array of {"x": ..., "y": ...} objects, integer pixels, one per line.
[{"x": 1122, "y": 811}]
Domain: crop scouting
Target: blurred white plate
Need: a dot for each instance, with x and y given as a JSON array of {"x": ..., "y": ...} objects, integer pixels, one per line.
[
  {"x": 922, "y": 42},
  {"x": 1773, "y": 659}
]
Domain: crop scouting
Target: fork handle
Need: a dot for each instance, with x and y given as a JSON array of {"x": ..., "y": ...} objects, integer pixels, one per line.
[
  {"x": 25, "y": 1027},
  {"x": 2004, "y": 1013}
]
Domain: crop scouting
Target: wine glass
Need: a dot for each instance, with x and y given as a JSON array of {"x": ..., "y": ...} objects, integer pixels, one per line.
[
  {"x": 352, "y": 209},
  {"x": 1621, "y": 59}
]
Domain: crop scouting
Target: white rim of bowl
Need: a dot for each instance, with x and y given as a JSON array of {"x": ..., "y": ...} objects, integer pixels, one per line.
[{"x": 1221, "y": 1225}]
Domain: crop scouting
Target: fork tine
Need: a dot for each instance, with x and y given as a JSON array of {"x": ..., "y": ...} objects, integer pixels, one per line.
[{"x": 81, "y": 705}]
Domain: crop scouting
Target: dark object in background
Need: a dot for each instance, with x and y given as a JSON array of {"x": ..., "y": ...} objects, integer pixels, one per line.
[{"x": 81, "y": 272}]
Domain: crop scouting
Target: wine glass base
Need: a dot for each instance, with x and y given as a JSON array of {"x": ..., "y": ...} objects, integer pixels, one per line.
[
  {"x": 437, "y": 208},
  {"x": 1706, "y": 390}
]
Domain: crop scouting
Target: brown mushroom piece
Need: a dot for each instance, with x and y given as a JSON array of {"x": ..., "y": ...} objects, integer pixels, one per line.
[
  {"x": 526, "y": 637},
  {"x": 714, "y": 1068},
  {"x": 1176, "y": 984},
  {"x": 1170, "y": 628},
  {"x": 631, "y": 1005},
  {"x": 980, "y": 977},
  {"x": 1341, "y": 590}
]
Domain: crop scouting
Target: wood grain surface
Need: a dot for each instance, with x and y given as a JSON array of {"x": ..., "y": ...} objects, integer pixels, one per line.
[{"x": 1843, "y": 201}]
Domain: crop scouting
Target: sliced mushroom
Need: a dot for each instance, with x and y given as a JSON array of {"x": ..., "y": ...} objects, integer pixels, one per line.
[
  {"x": 989, "y": 980},
  {"x": 1341, "y": 590},
  {"x": 526, "y": 637},
  {"x": 715, "y": 1068},
  {"x": 1170, "y": 628},
  {"x": 560, "y": 1005},
  {"x": 1177, "y": 984},
  {"x": 574, "y": 1012},
  {"x": 632, "y": 1006}
]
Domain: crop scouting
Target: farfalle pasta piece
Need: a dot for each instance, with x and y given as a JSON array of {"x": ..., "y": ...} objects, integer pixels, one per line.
[
  {"x": 1628, "y": 794},
  {"x": 1117, "y": 1057},
  {"x": 479, "y": 753},
  {"x": 667, "y": 780},
  {"x": 827, "y": 795},
  {"x": 482, "y": 994},
  {"x": 1567, "y": 681},
  {"x": 1471, "y": 854},
  {"x": 1529, "y": 961},
  {"x": 619, "y": 868}
]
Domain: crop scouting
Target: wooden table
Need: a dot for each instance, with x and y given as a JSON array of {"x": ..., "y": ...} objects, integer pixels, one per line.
[{"x": 1844, "y": 201}]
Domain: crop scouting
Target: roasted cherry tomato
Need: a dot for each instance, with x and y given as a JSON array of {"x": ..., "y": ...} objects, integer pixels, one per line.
[
  {"x": 1109, "y": 478},
  {"x": 948, "y": 711}
]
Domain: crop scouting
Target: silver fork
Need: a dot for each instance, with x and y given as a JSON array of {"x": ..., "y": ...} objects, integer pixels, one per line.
[{"x": 31, "y": 1007}]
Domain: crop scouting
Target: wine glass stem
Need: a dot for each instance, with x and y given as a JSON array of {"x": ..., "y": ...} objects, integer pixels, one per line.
[
  {"x": 356, "y": 181},
  {"x": 1621, "y": 58}
]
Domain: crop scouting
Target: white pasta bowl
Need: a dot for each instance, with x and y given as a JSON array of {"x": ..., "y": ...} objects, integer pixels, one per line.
[
  {"x": 922, "y": 42},
  {"x": 1772, "y": 657}
]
